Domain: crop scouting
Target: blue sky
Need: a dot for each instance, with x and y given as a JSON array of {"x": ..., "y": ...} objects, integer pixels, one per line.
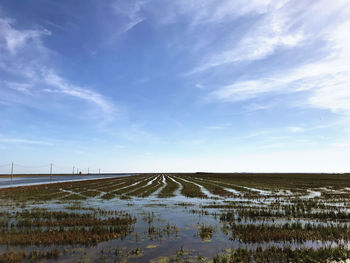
[{"x": 186, "y": 85}]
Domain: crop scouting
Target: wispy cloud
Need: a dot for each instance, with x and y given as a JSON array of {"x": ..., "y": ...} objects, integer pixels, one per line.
[
  {"x": 25, "y": 56},
  {"x": 269, "y": 33},
  {"x": 258, "y": 106},
  {"x": 137, "y": 133},
  {"x": 200, "y": 12},
  {"x": 241, "y": 91},
  {"x": 14, "y": 39},
  {"x": 130, "y": 11},
  {"x": 24, "y": 141},
  {"x": 276, "y": 74},
  {"x": 199, "y": 86},
  {"x": 219, "y": 126},
  {"x": 342, "y": 144},
  {"x": 60, "y": 85},
  {"x": 295, "y": 129},
  {"x": 20, "y": 87},
  {"x": 326, "y": 78}
]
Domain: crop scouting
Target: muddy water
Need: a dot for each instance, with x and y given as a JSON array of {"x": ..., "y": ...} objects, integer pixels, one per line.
[
  {"x": 161, "y": 213},
  {"x": 158, "y": 213},
  {"x": 180, "y": 213}
]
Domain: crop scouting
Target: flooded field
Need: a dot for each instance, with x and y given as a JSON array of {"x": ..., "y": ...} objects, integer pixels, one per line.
[
  {"x": 24, "y": 180},
  {"x": 198, "y": 217}
]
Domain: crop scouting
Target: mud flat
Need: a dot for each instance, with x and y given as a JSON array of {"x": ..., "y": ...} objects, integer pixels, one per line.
[{"x": 200, "y": 217}]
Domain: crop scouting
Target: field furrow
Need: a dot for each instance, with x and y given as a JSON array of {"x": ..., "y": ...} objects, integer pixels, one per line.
[
  {"x": 190, "y": 189},
  {"x": 150, "y": 189},
  {"x": 141, "y": 186},
  {"x": 169, "y": 189}
]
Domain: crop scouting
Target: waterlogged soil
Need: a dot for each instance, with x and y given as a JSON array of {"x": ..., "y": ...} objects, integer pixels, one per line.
[{"x": 177, "y": 218}]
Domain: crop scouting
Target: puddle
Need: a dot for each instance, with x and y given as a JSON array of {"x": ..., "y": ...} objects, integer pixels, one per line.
[{"x": 312, "y": 194}]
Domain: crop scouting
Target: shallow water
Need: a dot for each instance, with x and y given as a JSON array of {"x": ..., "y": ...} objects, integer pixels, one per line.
[
  {"x": 6, "y": 182},
  {"x": 187, "y": 214}
]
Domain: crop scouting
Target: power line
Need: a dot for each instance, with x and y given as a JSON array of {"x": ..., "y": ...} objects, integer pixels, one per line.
[
  {"x": 52, "y": 168},
  {"x": 61, "y": 166},
  {"x": 11, "y": 171},
  {"x": 30, "y": 166}
]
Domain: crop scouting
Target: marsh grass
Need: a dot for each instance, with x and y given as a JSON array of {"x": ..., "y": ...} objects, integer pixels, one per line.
[
  {"x": 43, "y": 227},
  {"x": 169, "y": 189},
  {"x": 148, "y": 190},
  {"x": 190, "y": 189},
  {"x": 33, "y": 256},
  {"x": 212, "y": 188},
  {"x": 206, "y": 232},
  {"x": 287, "y": 215},
  {"x": 282, "y": 255},
  {"x": 289, "y": 232}
]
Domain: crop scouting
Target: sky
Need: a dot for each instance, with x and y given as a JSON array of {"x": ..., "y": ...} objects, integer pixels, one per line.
[{"x": 185, "y": 85}]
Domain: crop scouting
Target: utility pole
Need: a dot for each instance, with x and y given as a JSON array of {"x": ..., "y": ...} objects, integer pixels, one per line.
[
  {"x": 11, "y": 171},
  {"x": 50, "y": 169},
  {"x": 73, "y": 170}
]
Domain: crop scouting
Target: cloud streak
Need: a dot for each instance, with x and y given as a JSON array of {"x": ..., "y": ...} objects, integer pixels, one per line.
[
  {"x": 24, "y": 141},
  {"x": 130, "y": 11},
  {"x": 326, "y": 79},
  {"x": 268, "y": 34},
  {"x": 25, "y": 56},
  {"x": 60, "y": 85},
  {"x": 13, "y": 39}
]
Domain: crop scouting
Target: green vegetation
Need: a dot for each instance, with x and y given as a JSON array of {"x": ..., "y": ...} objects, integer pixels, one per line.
[
  {"x": 291, "y": 232},
  {"x": 32, "y": 256},
  {"x": 279, "y": 181},
  {"x": 43, "y": 227},
  {"x": 206, "y": 232},
  {"x": 150, "y": 189},
  {"x": 211, "y": 187},
  {"x": 282, "y": 255},
  {"x": 169, "y": 189},
  {"x": 190, "y": 189},
  {"x": 279, "y": 214}
]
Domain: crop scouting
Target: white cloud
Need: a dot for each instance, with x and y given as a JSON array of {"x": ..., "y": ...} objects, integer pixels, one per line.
[
  {"x": 296, "y": 129},
  {"x": 240, "y": 91},
  {"x": 120, "y": 147},
  {"x": 14, "y": 39},
  {"x": 210, "y": 11},
  {"x": 60, "y": 85},
  {"x": 20, "y": 87},
  {"x": 24, "y": 55},
  {"x": 199, "y": 86},
  {"x": 130, "y": 10},
  {"x": 272, "y": 31},
  {"x": 216, "y": 127},
  {"x": 273, "y": 145},
  {"x": 219, "y": 127},
  {"x": 342, "y": 144},
  {"x": 229, "y": 9},
  {"x": 326, "y": 78},
  {"x": 24, "y": 141},
  {"x": 257, "y": 107}
]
